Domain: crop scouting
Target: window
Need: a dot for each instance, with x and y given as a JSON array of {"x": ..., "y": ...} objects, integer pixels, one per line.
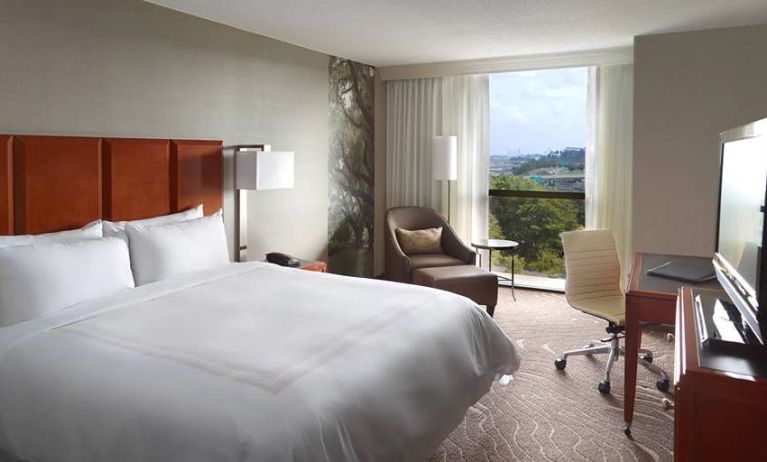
[{"x": 537, "y": 160}]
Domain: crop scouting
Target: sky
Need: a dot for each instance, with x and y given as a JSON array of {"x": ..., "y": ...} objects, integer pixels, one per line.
[{"x": 536, "y": 111}]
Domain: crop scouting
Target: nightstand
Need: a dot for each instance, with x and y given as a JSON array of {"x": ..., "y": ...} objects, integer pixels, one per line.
[
  {"x": 311, "y": 265},
  {"x": 307, "y": 265}
]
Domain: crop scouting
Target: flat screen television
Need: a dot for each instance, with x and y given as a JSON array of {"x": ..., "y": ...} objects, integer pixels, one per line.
[{"x": 739, "y": 261}]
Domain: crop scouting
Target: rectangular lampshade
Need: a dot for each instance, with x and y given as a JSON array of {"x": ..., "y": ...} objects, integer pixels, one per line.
[
  {"x": 444, "y": 157},
  {"x": 264, "y": 169}
]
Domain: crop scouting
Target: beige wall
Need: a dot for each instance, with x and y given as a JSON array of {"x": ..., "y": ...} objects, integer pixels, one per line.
[
  {"x": 688, "y": 87},
  {"x": 129, "y": 68}
]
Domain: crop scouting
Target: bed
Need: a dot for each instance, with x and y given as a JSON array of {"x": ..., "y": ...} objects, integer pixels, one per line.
[{"x": 246, "y": 361}]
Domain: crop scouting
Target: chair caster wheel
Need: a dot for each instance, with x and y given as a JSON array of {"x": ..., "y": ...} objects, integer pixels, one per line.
[
  {"x": 560, "y": 363},
  {"x": 604, "y": 387},
  {"x": 627, "y": 431},
  {"x": 647, "y": 358},
  {"x": 663, "y": 385}
]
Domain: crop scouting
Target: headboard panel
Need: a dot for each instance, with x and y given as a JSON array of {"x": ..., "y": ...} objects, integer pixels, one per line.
[
  {"x": 196, "y": 176},
  {"x": 56, "y": 183},
  {"x": 136, "y": 178},
  {"x": 53, "y": 183},
  {"x": 6, "y": 185}
]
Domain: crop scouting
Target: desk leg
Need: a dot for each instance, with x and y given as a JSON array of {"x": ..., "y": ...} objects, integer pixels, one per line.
[{"x": 633, "y": 341}]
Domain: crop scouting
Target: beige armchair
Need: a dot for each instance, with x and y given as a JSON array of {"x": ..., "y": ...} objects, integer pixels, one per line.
[{"x": 400, "y": 267}]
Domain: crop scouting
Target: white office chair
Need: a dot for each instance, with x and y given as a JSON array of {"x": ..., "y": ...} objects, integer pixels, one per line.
[{"x": 593, "y": 286}]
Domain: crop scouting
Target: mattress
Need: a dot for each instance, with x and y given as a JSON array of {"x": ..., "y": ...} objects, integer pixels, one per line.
[{"x": 249, "y": 362}]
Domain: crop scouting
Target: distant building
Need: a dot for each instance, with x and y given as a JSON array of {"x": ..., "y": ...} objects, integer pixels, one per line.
[
  {"x": 574, "y": 182},
  {"x": 558, "y": 170}
]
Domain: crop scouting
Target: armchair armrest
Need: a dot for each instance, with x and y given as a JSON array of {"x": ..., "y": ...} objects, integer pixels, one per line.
[
  {"x": 397, "y": 263},
  {"x": 453, "y": 246}
]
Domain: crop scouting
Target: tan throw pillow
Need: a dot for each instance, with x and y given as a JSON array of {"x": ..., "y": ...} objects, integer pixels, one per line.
[{"x": 420, "y": 240}]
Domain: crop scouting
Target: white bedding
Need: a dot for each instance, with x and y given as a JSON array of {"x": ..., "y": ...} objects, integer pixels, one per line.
[{"x": 250, "y": 362}]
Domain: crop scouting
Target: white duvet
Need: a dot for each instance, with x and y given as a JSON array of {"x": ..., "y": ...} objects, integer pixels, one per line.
[{"x": 251, "y": 362}]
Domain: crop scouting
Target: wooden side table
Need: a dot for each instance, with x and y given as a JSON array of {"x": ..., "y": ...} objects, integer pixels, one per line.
[
  {"x": 308, "y": 265},
  {"x": 311, "y": 265}
]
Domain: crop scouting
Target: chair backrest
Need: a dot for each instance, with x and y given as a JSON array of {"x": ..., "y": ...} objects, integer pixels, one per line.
[
  {"x": 413, "y": 218},
  {"x": 592, "y": 265}
]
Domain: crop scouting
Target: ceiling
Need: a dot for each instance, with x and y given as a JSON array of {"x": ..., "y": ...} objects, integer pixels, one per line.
[{"x": 396, "y": 32}]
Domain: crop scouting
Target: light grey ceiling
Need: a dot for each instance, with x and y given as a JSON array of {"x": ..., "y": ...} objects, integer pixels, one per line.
[{"x": 392, "y": 32}]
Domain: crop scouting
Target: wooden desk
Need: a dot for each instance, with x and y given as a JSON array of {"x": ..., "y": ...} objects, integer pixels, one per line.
[{"x": 649, "y": 300}]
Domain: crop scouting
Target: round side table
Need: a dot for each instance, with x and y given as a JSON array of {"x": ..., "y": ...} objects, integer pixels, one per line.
[{"x": 497, "y": 244}]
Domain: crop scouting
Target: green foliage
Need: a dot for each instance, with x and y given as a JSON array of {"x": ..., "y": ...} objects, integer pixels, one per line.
[
  {"x": 549, "y": 263},
  {"x": 502, "y": 262},
  {"x": 515, "y": 183},
  {"x": 573, "y": 160},
  {"x": 533, "y": 164},
  {"x": 494, "y": 228},
  {"x": 534, "y": 223}
]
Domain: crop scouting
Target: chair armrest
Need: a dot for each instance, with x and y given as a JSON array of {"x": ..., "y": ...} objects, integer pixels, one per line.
[
  {"x": 397, "y": 263},
  {"x": 453, "y": 246}
]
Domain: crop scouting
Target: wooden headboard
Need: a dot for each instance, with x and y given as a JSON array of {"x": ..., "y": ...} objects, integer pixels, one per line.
[{"x": 54, "y": 183}]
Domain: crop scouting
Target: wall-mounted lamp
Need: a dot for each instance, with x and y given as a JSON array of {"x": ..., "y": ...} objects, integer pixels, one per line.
[{"x": 256, "y": 167}]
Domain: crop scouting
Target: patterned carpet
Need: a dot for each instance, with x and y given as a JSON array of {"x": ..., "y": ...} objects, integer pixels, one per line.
[{"x": 551, "y": 415}]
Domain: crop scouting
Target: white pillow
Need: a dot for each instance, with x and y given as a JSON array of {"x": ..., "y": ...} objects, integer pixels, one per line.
[
  {"x": 162, "y": 251},
  {"x": 40, "y": 279},
  {"x": 92, "y": 230},
  {"x": 117, "y": 228}
]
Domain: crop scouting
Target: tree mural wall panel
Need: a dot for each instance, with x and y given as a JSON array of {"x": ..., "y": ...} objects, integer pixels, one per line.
[{"x": 350, "y": 220}]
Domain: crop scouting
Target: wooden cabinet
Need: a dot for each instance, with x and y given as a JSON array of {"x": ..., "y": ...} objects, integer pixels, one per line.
[
  {"x": 720, "y": 399},
  {"x": 309, "y": 265}
]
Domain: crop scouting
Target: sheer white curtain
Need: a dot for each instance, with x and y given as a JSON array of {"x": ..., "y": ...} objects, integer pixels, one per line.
[
  {"x": 417, "y": 110},
  {"x": 413, "y": 117},
  {"x": 609, "y": 154},
  {"x": 466, "y": 113}
]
